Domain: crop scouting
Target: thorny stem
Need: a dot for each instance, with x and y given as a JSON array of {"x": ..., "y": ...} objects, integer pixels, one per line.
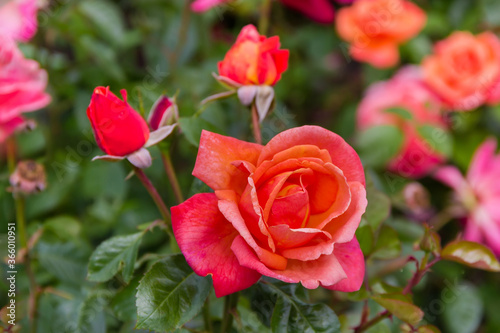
[
  {"x": 183, "y": 30},
  {"x": 256, "y": 125},
  {"x": 154, "y": 194},
  {"x": 206, "y": 316},
  {"x": 375, "y": 320},
  {"x": 422, "y": 268},
  {"x": 265, "y": 13},
  {"x": 23, "y": 239},
  {"x": 230, "y": 303},
  {"x": 169, "y": 169}
]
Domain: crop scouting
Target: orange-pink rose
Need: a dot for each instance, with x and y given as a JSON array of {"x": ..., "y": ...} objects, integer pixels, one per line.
[
  {"x": 254, "y": 59},
  {"x": 375, "y": 28},
  {"x": 465, "y": 70},
  {"x": 288, "y": 210}
]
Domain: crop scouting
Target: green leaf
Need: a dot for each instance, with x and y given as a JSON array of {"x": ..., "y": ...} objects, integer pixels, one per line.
[
  {"x": 465, "y": 313},
  {"x": 90, "y": 316},
  {"x": 403, "y": 113},
  {"x": 471, "y": 254},
  {"x": 437, "y": 138},
  {"x": 399, "y": 307},
  {"x": 428, "y": 329},
  {"x": 66, "y": 261},
  {"x": 170, "y": 294},
  {"x": 115, "y": 254},
  {"x": 107, "y": 17},
  {"x": 291, "y": 314},
  {"x": 379, "y": 144},
  {"x": 192, "y": 127},
  {"x": 388, "y": 245},
  {"x": 365, "y": 237},
  {"x": 379, "y": 205},
  {"x": 64, "y": 227},
  {"x": 123, "y": 303}
]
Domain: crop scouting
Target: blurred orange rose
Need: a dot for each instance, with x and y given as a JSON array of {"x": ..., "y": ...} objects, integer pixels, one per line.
[
  {"x": 254, "y": 59},
  {"x": 465, "y": 70},
  {"x": 375, "y": 28}
]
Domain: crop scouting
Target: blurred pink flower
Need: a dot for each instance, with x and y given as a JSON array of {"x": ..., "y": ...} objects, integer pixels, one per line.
[
  {"x": 321, "y": 11},
  {"x": 22, "y": 86},
  {"x": 479, "y": 194},
  {"x": 18, "y": 19},
  {"x": 417, "y": 157}
]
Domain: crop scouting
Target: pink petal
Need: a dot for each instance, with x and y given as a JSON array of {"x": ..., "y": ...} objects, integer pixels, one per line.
[
  {"x": 325, "y": 271},
  {"x": 343, "y": 228},
  {"x": 204, "y": 5},
  {"x": 452, "y": 177},
  {"x": 343, "y": 155},
  {"x": 321, "y": 11},
  {"x": 229, "y": 209},
  {"x": 286, "y": 237},
  {"x": 205, "y": 237},
  {"x": 214, "y": 163},
  {"x": 351, "y": 259},
  {"x": 482, "y": 160}
]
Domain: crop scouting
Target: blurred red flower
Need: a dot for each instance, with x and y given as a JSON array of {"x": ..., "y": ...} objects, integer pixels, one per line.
[
  {"x": 18, "y": 19},
  {"x": 375, "y": 28},
  {"x": 22, "y": 87},
  {"x": 406, "y": 91},
  {"x": 465, "y": 70}
]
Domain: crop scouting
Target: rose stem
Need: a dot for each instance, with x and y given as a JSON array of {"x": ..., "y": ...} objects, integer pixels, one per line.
[
  {"x": 265, "y": 13},
  {"x": 423, "y": 268},
  {"x": 185, "y": 18},
  {"x": 153, "y": 193},
  {"x": 169, "y": 169},
  {"x": 230, "y": 302},
  {"x": 206, "y": 316},
  {"x": 256, "y": 125},
  {"x": 23, "y": 239},
  {"x": 381, "y": 316}
]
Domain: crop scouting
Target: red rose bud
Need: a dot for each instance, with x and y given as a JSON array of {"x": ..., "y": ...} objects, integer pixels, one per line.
[
  {"x": 28, "y": 177},
  {"x": 163, "y": 113},
  {"x": 119, "y": 129},
  {"x": 253, "y": 60}
]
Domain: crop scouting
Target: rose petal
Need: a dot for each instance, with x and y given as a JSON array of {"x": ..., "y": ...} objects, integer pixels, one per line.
[
  {"x": 351, "y": 259},
  {"x": 326, "y": 270},
  {"x": 343, "y": 227},
  {"x": 481, "y": 162},
  {"x": 343, "y": 156},
  {"x": 214, "y": 161},
  {"x": 287, "y": 237},
  {"x": 452, "y": 177},
  {"x": 230, "y": 211},
  {"x": 204, "y": 237}
]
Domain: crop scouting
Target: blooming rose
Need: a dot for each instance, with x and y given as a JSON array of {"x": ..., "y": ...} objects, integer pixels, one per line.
[
  {"x": 254, "y": 59},
  {"x": 18, "y": 19},
  {"x": 22, "y": 87},
  {"x": 119, "y": 130},
  {"x": 321, "y": 11},
  {"x": 375, "y": 28},
  {"x": 465, "y": 70},
  {"x": 479, "y": 194},
  {"x": 405, "y": 91},
  {"x": 288, "y": 210}
]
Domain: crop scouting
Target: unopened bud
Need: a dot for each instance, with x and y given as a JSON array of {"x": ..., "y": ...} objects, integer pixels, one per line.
[
  {"x": 416, "y": 197},
  {"x": 163, "y": 113},
  {"x": 29, "y": 177}
]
